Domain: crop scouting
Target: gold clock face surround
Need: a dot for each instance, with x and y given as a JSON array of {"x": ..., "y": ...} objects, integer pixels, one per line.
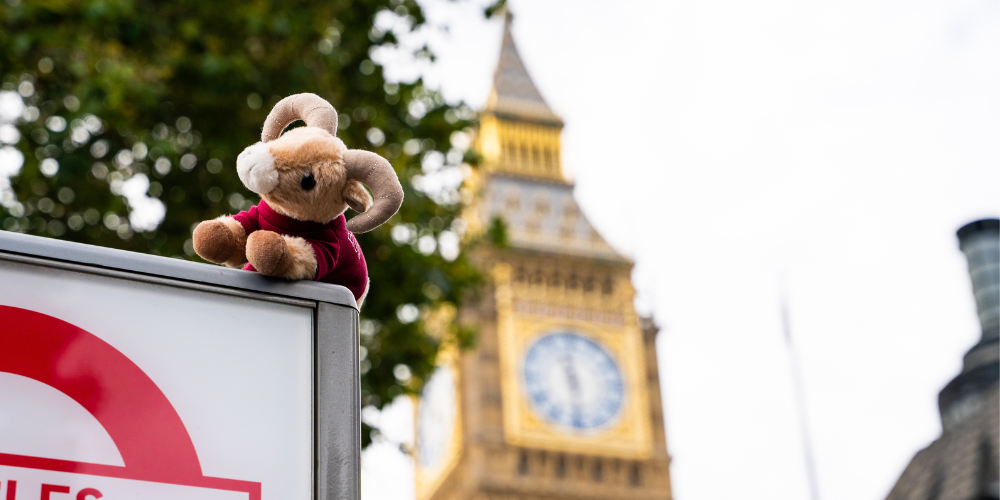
[{"x": 526, "y": 313}]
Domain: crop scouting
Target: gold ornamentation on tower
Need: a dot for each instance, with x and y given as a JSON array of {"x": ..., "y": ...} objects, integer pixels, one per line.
[{"x": 560, "y": 398}]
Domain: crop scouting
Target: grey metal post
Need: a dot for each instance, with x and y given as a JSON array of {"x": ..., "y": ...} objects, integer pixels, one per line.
[{"x": 338, "y": 427}]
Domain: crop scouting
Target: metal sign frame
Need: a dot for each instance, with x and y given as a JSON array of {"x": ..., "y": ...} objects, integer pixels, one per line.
[{"x": 336, "y": 379}]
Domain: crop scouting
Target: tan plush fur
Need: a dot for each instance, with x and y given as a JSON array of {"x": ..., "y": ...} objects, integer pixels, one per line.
[
  {"x": 298, "y": 153},
  {"x": 303, "y": 259},
  {"x": 364, "y": 295},
  {"x": 239, "y": 257}
]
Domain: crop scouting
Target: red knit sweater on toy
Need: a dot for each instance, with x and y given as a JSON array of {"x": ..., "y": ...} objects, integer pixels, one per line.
[{"x": 338, "y": 256}]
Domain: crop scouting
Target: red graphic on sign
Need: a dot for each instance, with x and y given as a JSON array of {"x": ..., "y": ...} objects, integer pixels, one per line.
[{"x": 150, "y": 436}]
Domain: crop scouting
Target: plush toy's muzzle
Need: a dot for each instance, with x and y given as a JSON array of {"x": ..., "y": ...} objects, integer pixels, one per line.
[{"x": 255, "y": 166}]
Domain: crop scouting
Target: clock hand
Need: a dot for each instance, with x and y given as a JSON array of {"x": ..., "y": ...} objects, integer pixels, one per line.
[
  {"x": 574, "y": 382},
  {"x": 574, "y": 388}
]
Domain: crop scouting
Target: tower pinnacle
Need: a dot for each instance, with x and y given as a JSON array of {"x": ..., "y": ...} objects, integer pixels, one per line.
[{"x": 514, "y": 95}]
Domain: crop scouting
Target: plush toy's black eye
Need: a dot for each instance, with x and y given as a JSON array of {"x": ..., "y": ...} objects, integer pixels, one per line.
[{"x": 308, "y": 182}]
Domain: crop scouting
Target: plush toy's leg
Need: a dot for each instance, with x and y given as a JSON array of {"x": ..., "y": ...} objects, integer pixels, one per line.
[
  {"x": 282, "y": 256},
  {"x": 222, "y": 241},
  {"x": 364, "y": 295}
]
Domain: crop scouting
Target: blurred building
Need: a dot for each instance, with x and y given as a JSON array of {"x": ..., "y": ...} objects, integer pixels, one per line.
[
  {"x": 963, "y": 463},
  {"x": 560, "y": 398}
]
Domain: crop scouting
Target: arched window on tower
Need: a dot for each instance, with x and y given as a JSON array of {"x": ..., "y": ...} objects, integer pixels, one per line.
[
  {"x": 597, "y": 471},
  {"x": 561, "y": 467},
  {"x": 635, "y": 475}
]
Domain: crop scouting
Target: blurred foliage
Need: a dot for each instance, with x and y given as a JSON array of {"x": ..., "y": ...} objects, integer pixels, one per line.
[
  {"x": 497, "y": 7},
  {"x": 496, "y": 233},
  {"x": 169, "y": 93}
]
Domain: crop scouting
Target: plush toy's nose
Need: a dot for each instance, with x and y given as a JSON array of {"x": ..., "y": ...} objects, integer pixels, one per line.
[{"x": 255, "y": 166}]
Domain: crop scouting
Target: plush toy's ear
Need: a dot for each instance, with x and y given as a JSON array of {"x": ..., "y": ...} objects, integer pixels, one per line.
[{"x": 357, "y": 196}]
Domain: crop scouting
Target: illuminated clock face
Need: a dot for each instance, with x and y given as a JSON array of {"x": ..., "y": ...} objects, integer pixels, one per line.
[
  {"x": 436, "y": 417},
  {"x": 573, "y": 382}
]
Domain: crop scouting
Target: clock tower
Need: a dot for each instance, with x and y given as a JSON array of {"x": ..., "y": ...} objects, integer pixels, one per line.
[{"x": 560, "y": 398}]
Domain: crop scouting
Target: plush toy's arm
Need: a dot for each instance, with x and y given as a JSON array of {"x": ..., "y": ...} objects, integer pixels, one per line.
[
  {"x": 222, "y": 240},
  {"x": 282, "y": 256}
]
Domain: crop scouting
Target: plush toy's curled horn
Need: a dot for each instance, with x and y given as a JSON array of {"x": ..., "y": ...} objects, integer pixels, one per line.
[
  {"x": 375, "y": 172},
  {"x": 310, "y": 108}
]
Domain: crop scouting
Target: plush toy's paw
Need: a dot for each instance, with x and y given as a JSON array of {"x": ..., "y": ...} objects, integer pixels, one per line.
[
  {"x": 221, "y": 241},
  {"x": 282, "y": 256},
  {"x": 267, "y": 252}
]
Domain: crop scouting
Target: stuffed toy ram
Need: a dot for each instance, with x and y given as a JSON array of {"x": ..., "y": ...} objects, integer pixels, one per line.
[{"x": 306, "y": 179}]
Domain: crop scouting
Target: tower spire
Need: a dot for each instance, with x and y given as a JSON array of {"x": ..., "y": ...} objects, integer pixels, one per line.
[{"x": 514, "y": 94}]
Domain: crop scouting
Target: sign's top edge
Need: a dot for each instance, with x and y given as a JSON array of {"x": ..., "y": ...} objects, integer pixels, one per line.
[{"x": 165, "y": 267}]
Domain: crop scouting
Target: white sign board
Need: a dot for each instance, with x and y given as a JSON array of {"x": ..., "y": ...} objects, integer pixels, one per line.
[{"x": 118, "y": 388}]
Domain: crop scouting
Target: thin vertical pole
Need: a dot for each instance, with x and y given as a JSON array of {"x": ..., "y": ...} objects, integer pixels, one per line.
[{"x": 800, "y": 404}]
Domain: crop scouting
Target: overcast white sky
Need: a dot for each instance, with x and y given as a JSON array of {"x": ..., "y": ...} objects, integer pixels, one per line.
[{"x": 730, "y": 146}]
